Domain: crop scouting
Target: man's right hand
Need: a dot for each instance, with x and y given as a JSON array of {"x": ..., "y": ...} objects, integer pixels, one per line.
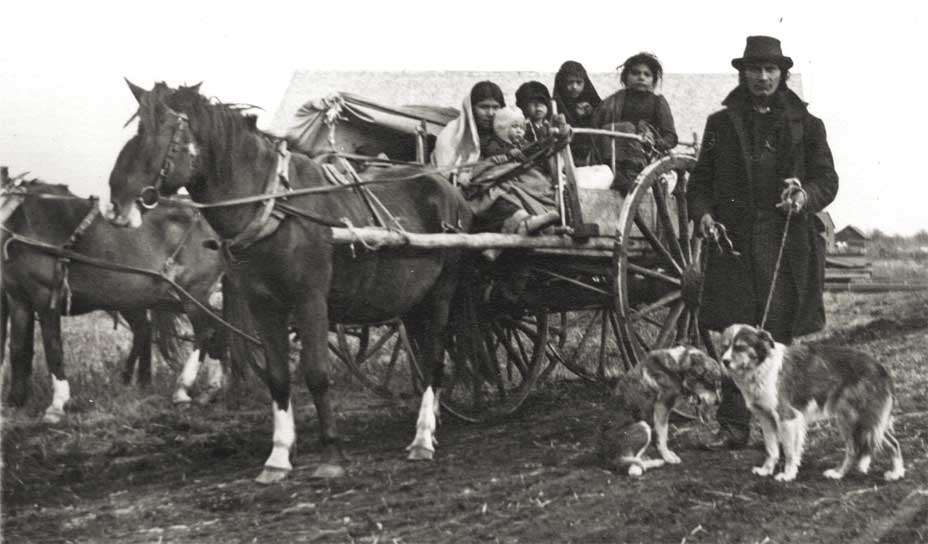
[{"x": 707, "y": 226}]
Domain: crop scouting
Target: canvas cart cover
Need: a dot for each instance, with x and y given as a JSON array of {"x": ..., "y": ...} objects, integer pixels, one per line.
[{"x": 348, "y": 123}]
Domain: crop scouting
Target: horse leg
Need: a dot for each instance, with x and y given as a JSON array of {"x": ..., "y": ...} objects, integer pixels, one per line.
[
  {"x": 313, "y": 327},
  {"x": 271, "y": 322},
  {"x": 22, "y": 333},
  {"x": 4, "y": 321},
  {"x": 50, "y": 320},
  {"x": 140, "y": 326},
  {"x": 428, "y": 325},
  {"x": 208, "y": 341},
  {"x": 185, "y": 379}
]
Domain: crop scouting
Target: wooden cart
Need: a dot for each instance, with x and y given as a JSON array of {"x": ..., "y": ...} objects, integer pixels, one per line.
[{"x": 592, "y": 300}]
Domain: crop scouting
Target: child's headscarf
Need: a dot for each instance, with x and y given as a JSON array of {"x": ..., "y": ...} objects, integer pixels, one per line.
[
  {"x": 504, "y": 119},
  {"x": 589, "y": 94}
]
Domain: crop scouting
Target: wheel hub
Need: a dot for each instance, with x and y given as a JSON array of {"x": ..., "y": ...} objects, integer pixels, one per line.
[{"x": 691, "y": 288}]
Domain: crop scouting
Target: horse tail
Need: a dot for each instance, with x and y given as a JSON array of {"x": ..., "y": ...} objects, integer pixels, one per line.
[
  {"x": 243, "y": 354},
  {"x": 168, "y": 333}
]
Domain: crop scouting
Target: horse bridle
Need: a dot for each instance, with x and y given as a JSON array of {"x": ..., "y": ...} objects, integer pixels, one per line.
[{"x": 150, "y": 195}]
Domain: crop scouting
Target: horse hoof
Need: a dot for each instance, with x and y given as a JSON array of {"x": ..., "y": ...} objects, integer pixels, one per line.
[
  {"x": 328, "y": 471},
  {"x": 420, "y": 454},
  {"x": 53, "y": 418},
  {"x": 270, "y": 475},
  {"x": 206, "y": 398}
]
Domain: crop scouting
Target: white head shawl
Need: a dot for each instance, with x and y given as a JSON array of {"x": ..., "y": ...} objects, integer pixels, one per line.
[{"x": 458, "y": 143}]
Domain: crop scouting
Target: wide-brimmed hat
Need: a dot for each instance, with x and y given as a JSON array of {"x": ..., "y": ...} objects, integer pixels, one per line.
[{"x": 763, "y": 49}]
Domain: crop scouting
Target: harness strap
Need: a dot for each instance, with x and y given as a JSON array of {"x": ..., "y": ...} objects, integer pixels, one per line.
[
  {"x": 170, "y": 265},
  {"x": 60, "y": 282},
  {"x": 265, "y": 222},
  {"x": 394, "y": 221},
  {"x": 107, "y": 265}
]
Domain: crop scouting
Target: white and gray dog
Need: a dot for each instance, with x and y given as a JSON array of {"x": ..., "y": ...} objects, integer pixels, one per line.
[{"x": 787, "y": 387}]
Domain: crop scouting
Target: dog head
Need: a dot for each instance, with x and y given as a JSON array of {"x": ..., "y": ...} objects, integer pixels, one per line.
[
  {"x": 744, "y": 348},
  {"x": 698, "y": 374}
]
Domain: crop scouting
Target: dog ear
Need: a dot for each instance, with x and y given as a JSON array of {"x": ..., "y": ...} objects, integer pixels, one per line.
[
  {"x": 658, "y": 365},
  {"x": 767, "y": 338}
]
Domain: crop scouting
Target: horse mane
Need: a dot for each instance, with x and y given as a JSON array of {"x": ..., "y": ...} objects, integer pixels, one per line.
[
  {"x": 38, "y": 186},
  {"x": 218, "y": 125}
]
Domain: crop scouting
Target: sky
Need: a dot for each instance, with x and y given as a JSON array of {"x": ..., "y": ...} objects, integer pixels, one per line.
[{"x": 63, "y": 101}]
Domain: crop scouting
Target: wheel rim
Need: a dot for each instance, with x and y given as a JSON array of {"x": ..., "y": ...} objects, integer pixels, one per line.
[
  {"x": 495, "y": 365},
  {"x": 657, "y": 263}
]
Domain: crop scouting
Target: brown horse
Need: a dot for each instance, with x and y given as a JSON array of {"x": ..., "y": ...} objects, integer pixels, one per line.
[
  {"x": 295, "y": 271},
  {"x": 37, "y": 282}
]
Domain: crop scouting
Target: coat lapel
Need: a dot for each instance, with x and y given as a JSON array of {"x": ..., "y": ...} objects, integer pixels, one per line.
[{"x": 737, "y": 122}]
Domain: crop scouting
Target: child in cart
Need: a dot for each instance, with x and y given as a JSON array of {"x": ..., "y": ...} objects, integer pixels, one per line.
[
  {"x": 533, "y": 98},
  {"x": 636, "y": 109}
]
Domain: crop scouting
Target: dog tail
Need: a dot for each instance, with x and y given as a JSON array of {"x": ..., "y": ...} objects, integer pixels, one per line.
[{"x": 881, "y": 433}]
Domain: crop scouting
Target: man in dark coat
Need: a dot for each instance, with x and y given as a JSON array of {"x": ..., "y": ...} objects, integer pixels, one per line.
[{"x": 755, "y": 155}]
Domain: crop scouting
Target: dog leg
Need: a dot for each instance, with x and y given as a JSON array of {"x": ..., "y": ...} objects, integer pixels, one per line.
[
  {"x": 768, "y": 425},
  {"x": 898, "y": 470},
  {"x": 851, "y": 452},
  {"x": 792, "y": 436},
  {"x": 624, "y": 447},
  {"x": 661, "y": 423},
  {"x": 863, "y": 463}
]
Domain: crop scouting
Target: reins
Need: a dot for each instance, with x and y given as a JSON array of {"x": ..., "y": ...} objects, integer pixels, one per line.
[{"x": 795, "y": 186}]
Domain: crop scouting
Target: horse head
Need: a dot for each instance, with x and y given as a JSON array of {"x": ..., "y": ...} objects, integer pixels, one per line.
[{"x": 160, "y": 159}]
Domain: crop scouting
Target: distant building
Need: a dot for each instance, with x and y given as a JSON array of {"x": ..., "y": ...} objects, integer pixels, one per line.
[{"x": 851, "y": 239}]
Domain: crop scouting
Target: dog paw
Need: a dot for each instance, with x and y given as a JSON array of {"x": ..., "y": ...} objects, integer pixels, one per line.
[
  {"x": 635, "y": 471},
  {"x": 670, "y": 457},
  {"x": 785, "y": 476},
  {"x": 893, "y": 475},
  {"x": 863, "y": 464},
  {"x": 833, "y": 474},
  {"x": 762, "y": 471}
]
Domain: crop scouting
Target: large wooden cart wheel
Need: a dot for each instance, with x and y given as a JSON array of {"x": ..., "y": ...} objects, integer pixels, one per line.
[
  {"x": 574, "y": 343},
  {"x": 657, "y": 262},
  {"x": 380, "y": 357},
  {"x": 494, "y": 362}
]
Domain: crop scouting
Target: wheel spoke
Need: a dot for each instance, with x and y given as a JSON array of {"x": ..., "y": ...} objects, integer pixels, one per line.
[
  {"x": 683, "y": 218},
  {"x": 663, "y": 213},
  {"x": 657, "y": 244},
  {"x": 654, "y": 274},
  {"x": 662, "y": 302},
  {"x": 670, "y": 324}
]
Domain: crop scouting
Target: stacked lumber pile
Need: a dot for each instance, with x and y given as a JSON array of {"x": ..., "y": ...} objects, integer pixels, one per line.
[{"x": 841, "y": 269}]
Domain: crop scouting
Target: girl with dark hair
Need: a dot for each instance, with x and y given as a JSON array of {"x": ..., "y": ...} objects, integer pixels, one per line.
[
  {"x": 576, "y": 99},
  {"x": 637, "y": 109}
]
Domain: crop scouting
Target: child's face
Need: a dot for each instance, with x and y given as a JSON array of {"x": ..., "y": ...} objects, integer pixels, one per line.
[
  {"x": 573, "y": 86},
  {"x": 536, "y": 111},
  {"x": 516, "y": 131},
  {"x": 640, "y": 78}
]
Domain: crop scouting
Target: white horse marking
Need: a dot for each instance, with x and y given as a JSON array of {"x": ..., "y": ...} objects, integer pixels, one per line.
[
  {"x": 186, "y": 378},
  {"x": 284, "y": 437},
  {"x": 423, "y": 445},
  {"x": 61, "y": 394}
]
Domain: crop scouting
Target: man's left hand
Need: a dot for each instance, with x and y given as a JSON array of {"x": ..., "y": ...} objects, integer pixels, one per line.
[{"x": 793, "y": 197}]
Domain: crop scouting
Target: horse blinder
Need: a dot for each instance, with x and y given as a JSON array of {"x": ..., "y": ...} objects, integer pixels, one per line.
[{"x": 150, "y": 195}]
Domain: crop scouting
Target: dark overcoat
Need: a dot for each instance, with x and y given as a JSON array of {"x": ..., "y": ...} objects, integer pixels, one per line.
[{"x": 722, "y": 184}]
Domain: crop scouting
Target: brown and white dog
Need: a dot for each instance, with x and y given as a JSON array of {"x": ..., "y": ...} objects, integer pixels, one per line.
[
  {"x": 788, "y": 387},
  {"x": 644, "y": 396}
]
